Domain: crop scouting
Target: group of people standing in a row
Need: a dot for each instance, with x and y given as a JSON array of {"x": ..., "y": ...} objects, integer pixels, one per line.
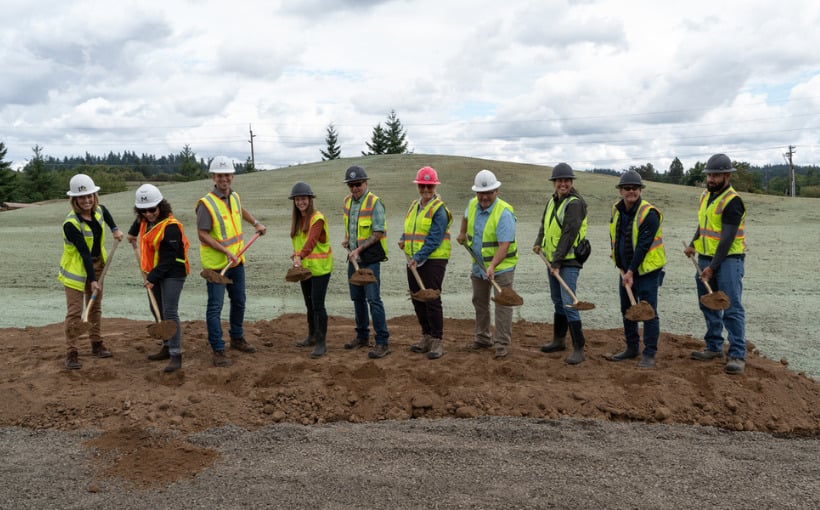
[{"x": 487, "y": 230}]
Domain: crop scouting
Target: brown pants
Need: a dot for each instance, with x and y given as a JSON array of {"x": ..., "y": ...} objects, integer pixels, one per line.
[{"x": 74, "y": 300}]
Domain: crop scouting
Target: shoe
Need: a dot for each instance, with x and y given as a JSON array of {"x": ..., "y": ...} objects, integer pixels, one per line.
[
  {"x": 72, "y": 361},
  {"x": 479, "y": 346},
  {"x": 628, "y": 353},
  {"x": 357, "y": 343},
  {"x": 436, "y": 349},
  {"x": 423, "y": 346},
  {"x": 501, "y": 351},
  {"x": 308, "y": 341},
  {"x": 735, "y": 366},
  {"x": 646, "y": 362},
  {"x": 380, "y": 351},
  {"x": 161, "y": 355},
  {"x": 557, "y": 344},
  {"x": 175, "y": 363},
  {"x": 220, "y": 360},
  {"x": 239, "y": 344},
  {"x": 98, "y": 349},
  {"x": 706, "y": 355}
]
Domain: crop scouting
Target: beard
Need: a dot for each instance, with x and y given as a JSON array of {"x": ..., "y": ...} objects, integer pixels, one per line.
[{"x": 715, "y": 186}]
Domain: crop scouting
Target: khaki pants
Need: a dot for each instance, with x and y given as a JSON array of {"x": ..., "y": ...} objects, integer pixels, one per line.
[
  {"x": 503, "y": 314},
  {"x": 74, "y": 300}
]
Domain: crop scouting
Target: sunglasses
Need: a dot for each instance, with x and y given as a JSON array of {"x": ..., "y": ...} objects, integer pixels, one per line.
[
  {"x": 151, "y": 210},
  {"x": 354, "y": 184},
  {"x": 426, "y": 186},
  {"x": 630, "y": 188}
]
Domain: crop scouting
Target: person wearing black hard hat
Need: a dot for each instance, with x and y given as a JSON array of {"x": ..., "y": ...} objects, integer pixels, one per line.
[{"x": 720, "y": 243}]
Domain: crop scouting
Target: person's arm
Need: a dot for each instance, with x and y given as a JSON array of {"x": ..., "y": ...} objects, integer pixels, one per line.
[
  {"x": 646, "y": 236},
  {"x": 204, "y": 224},
  {"x": 505, "y": 234},
  {"x": 314, "y": 235},
  {"x": 574, "y": 214},
  {"x": 109, "y": 220},
  {"x": 434, "y": 237},
  {"x": 462, "y": 231},
  {"x": 75, "y": 237},
  {"x": 377, "y": 230},
  {"x": 730, "y": 224},
  {"x": 258, "y": 227}
]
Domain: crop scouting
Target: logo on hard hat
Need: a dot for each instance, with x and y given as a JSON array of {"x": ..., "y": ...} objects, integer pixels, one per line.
[{"x": 82, "y": 188}]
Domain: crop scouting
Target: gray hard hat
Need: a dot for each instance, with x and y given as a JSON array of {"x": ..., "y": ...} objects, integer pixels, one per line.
[
  {"x": 355, "y": 173},
  {"x": 562, "y": 171},
  {"x": 719, "y": 164},
  {"x": 301, "y": 189},
  {"x": 631, "y": 178}
]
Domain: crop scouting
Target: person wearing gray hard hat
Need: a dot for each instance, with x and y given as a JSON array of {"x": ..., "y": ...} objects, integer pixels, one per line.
[{"x": 720, "y": 244}]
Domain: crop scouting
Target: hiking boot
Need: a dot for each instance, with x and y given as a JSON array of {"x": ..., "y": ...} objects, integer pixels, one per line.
[
  {"x": 501, "y": 351},
  {"x": 380, "y": 351},
  {"x": 161, "y": 355},
  {"x": 628, "y": 353},
  {"x": 436, "y": 349},
  {"x": 706, "y": 355},
  {"x": 478, "y": 346},
  {"x": 72, "y": 361},
  {"x": 735, "y": 366},
  {"x": 647, "y": 362},
  {"x": 424, "y": 345},
  {"x": 175, "y": 363},
  {"x": 220, "y": 360},
  {"x": 99, "y": 350},
  {"x": 357, "y": 343},
  {"x": 308, "y": 341},
  {"x": 239, "y": 344},
  {"x": 557, "y": 344}
]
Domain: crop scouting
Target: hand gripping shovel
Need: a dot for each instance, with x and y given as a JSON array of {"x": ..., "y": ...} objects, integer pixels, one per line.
[
  {"x": 578, "y": 305},
  {"x": 504, "y": 296},
  {"x": 638, "y": 312},
  {"x": 214, "y": 277},
  {"x": 80, "y": 328},
  {"x": 360, "y": 277},
  {"x": 161, "y": 329},
  {"x": 713, "y": 300},
  {"x": 425, "y": 294}
]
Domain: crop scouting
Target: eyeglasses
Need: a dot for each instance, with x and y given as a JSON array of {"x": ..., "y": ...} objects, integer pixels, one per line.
[
  {"x": 354, "y": 184},
  {"x": 151, "y": 210},
  {"x": 630, "y": 188},
  {"x": 486, "y": 193}
]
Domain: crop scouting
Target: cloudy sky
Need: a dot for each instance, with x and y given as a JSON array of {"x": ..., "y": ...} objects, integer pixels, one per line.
[{"x": 596, "y": 83}]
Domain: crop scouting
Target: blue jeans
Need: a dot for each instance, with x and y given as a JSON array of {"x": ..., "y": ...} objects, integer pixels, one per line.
[
  {"x": 644, "y": 288},
  {"x": 560, "y": 297},
  {"x": 729, "y": 279},
  {"x": 364, "y": 296},
  {"x": 213, "y": 312},
  {"x": 167, "y": 294}
]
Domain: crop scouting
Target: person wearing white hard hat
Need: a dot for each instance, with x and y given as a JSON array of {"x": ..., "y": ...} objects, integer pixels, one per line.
[
  {"x": 163, "y": 250},
  {"x": 488, "y": 230},
  {"x": 219, "y": 216},
  {"x": 84, "y": 257}
]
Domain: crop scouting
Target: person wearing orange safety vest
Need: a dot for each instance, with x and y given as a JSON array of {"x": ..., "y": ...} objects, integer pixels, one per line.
[
  {"x": 720, "y": 243},
  {"x": 163, "y": 252},
  {"x": 312, "y": 251},
  {"x": 636, "y": 247},
  {"x": 426, "y": 244}
]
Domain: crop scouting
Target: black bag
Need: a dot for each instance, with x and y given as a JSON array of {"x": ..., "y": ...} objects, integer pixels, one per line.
[
  {"x": 374, "y": 253},
  {"x": 583, "y": 250}
]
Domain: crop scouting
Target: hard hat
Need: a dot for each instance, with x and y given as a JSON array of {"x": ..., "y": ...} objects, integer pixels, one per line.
[
  {"x": 426, "y": 175},
  {"x": 631, "y": 178},
  {"x": 562, "y": 171},
  {"x": 301, "y": 189},
  {"x": 81, "y": 185},
  {"x": 355, "y": 173},
  {"x": 221, "y": 165},
  {"x": 485, "y": 181},
  {"x": 148, "y": 196},
  {"x": 719, "y": 164}
]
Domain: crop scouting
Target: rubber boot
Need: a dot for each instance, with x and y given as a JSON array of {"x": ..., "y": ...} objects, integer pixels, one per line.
[
  {"x": 175, "y": 363},
  {"x": 308, "y": 341},
  {"x": 559, "y": 336},
  {"x": 321, "y": 337},
  {"x": 161, "y": 355},
  {"x": 99, "y": 350},
  {"x": 630, "y": 352},
  {"x": 578, "y": 342}
]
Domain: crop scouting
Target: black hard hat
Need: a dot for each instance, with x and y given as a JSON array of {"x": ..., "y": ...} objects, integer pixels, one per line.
[
  {"x": 301, "y": 189},
  {"x": 631, "y": 178},
  {"x": 355, "y": 173},
  {"x": 719, "y": 164},
  {"x": 562, "y": 171}
]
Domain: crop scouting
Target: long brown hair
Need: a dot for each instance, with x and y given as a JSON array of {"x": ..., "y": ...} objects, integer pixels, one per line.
[
  {"x": 296, "y": 222},
  {"x": 75, "y": 205}
]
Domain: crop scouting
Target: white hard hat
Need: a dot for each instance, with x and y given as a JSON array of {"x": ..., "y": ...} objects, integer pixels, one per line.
[
  {"x": 148, "y": 196},
  {"x": 81, "y": 185},
  {"x": 486, "y": 181},
  {"x": 221, "y": 165}
]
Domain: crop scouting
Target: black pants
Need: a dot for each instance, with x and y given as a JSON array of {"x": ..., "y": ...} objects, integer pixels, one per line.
[
  {"x": 429, "y": 314},
  {"x": 314, "y": 291}
]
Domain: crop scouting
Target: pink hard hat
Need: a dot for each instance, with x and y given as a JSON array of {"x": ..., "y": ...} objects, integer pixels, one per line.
[{"x": 426, "y": 175}]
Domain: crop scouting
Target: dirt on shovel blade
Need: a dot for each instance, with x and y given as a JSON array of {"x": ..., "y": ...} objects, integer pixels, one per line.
[
  {"x": 425, "y": 295},
  {"x": 508, "y": 297},
  {"x": 716, "y": 301},
  {"x": 162, "y": 330},
  {"x": 582, "y": 305},
  {"x": 298, "y": 274},
  {"x": 214, "y": 277},
  {"x": 363, "y": 277},
  {"x": 639, "y": 312}
]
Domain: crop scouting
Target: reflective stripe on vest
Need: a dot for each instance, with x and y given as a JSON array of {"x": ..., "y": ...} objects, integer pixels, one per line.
[
  {"x": 710, "y": 224},
  {"x": 417, "y": 225},
  {"x": 489, "y": 241},
  {"x": 656, "y": 256},
  {"x": 365, "y": 219},
  {"x": 226, "y": 229},
  {"x": 553, "y": 226},
  {"x": 72, "y": 271},
  {"x": 320, "y": 260},
  {"x": 150, "y": 240}
]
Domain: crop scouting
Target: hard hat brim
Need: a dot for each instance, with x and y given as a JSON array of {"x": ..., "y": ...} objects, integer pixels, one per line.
[
  {"x": 479, "y": 189},
  {"x": 75, "y": 194}
]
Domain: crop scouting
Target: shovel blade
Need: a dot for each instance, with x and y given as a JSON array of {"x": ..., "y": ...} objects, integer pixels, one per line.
[
  {"x": 426, "y": 295},
  {"x": 716, "y": 301},
  {"x": 363, "y": 277},
  {"x": 640, "y": 312},
  {"x": 214, "y": 277},
  {"x": 582, "y": 306},
  {"x": 508, "y": 297},
  {"x": 162, "y": 330}
]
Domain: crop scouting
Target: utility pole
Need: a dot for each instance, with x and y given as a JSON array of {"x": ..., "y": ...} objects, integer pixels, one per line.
[
  {"x": 792, "y": 192},
  {"x": 253, "y": 158}
]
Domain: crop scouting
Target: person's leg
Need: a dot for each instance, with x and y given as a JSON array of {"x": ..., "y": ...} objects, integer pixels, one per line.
[
  {"x": 420, "y": 308},
  {"x": 481, "y": 304},
  {"x": 560, "y": 324},
  {"x": 432, "y": 274},
  {"x": 646, "y": 289},
  {"x": 73, "y": 318},
  {"x": 95, "y": 313},
  {"x": 729, "y": 279},
  {"x": 570, "y": 276},
  {"x": 374, "y": 300},
  {"x": 170, "y": 290},
  {"x": 306, "y": 286},
  {"x": 714, "y": 318},
  {"x": 213, "y": 315},
  {"x": 632, "y": 337},
  {"x": 503, "y": 314},
  {"x": 357, "y": 295},
  {"x": 236, "y": 294},
  {"x": 318, "y": 291}
]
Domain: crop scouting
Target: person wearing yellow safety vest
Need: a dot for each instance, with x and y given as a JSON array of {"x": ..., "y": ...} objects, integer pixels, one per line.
[
  {"x": 562, "y": 230},
  {"x": 488, "y": 230},
  {"x": 720, "y": 243},
  {"x": 366, "y": 240},
  {"x": 311, "y": 250},
  {"x": 83, "y": 259},
  {"x": 219, "y": 216},
  {"x": 636, "y": 242},
  {"x": 426, "y": 244},
  {"x": 163, "y": 250}
]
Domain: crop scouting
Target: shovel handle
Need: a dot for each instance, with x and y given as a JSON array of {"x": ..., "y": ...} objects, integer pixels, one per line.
[
  {"x": 352, "y": 261},
  {"x": 560, "y": 280},
  {"x": 483, "y": 271},
  {"x": 239, "y": 254},
  {"x": 697, "y": 267},
  {"x": 415, "y": 272},
  {"x": 628, "y": 289},
  {"x": 93, "y": 297},
  {"x": 151, "y": 298}
]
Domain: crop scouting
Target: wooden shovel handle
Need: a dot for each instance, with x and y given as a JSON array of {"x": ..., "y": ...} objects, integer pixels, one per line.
[
  {"x": 151, "y": 298},
  {"x": 93, "y": 297},
  {"x": 415, "y": 272},
  {"x": 558, "y": 277},
  {"x": 628, "y": 289},
  {"x": 697, "y": 267},
  {"x": 243, "y": 250}
]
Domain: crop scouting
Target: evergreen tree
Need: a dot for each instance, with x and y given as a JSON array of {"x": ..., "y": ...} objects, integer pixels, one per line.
[
  {"x": 189, "y": 169},
  {"x": 8, "y": 177},
  {"x": 647, "y": 171},
  {"x": 396, "y": 135},
  {"x": 675, "y": 171},
  {"x": 334, "y": 151},
  {"x": 38, "y": 183},
  {"x": 249, "y": 166},
  {"x": 695, "y": 176},
  {"x": 377, "y": 143}
]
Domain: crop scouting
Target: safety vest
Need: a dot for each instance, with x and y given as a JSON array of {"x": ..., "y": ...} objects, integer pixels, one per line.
[
  {"x": 656, "y": 256},
  {"x": 489, "y": 241},
  {"x": 149, "y": 244},
  {"x": 710, "y": 224},
  {"x": 554, "y": 224},
  {"x": 365, "y": 221},
  {"x": 417, "y": 225},
  {"x": 72, "y": 271},
  {"x": 226, "y": 229},
  {"x": 320, "y": 260}
]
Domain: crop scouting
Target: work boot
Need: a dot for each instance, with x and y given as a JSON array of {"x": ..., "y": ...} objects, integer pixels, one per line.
[
  {"x": 501, "y": 351},
  {"x": 478, "y": 346},
  {"x": 647, "y": 362},
  {"x": 321, "y": 346},
  {"x": 559, "y": 334},
  {"x": 735, "y": 366},
  {"x": 578, "y": 342},
  {"x": 72, "y": 360},
  {"x": 629, "y": 353},
  {"x": 239, "y": 344},
  {"x": 308, "y": 341},
  {"x": 161, "y": 355},
  {"x": 436, "y": 348},
  {"x": 175, "y": 363},
  {"x": 99, "y": 350},
  {"x": 220, "y": 360},
  {"x": 706, "y": 355},
  {"x": 380, "y": 351},
  {"x": 357, "y": 343},
  {"x": 424, "y": 345}
]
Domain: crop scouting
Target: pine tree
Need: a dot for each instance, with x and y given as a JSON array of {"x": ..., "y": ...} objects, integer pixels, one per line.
[
  {"x": 7, "y": 176},
  {"x": 189, "y": 169},
  {"x": 395, "y": 134},
  {"x": 675, "y": 171},
  {"x": 334, "y": 151},
  {"x": 377, "y": 143}
]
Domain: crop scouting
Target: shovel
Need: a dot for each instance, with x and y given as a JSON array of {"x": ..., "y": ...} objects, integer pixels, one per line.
[
  {"x": 577, "y": 305},
  {"x": 713, "y": 300},
  {"x": 504, "y": 296},
  {"x": 220, "y": 278},
  {"x": 298, "y": 274},
  {"x": 80, "y": 328},
  {"x": 161, "y": 330},
  {"x": 425, "y": 294},
  {"x": 360, "y": 277},
  {"x": 638, "y": 312}
]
